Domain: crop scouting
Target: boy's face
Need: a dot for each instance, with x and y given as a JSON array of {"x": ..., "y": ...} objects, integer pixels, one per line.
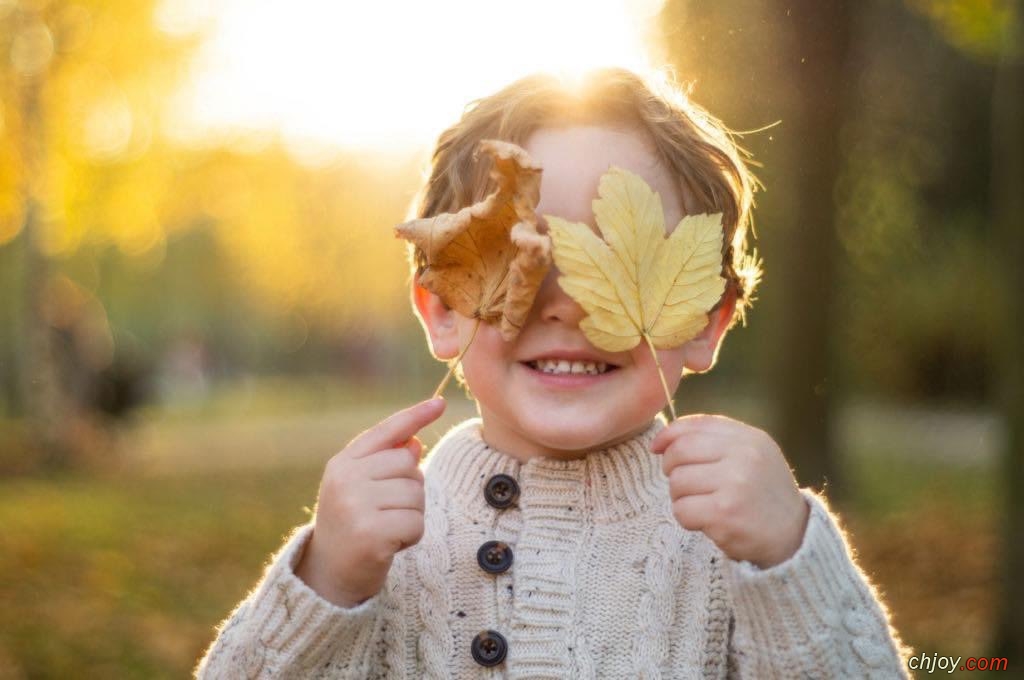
[{"x": 526, "y": 412}]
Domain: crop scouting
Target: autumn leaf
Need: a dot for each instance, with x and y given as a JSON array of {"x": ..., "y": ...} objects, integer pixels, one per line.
[
  {"x": 637, "y": 284},
  {"x": 488, "y": 260}
]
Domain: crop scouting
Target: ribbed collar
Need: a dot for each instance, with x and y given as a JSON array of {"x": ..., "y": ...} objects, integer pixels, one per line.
[{"x": 617, "y": 482}]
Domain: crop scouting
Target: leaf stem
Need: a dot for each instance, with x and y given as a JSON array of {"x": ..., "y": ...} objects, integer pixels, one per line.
[
  {"x": 455, "y": 362},
  {"x": 661, "y": 374}
]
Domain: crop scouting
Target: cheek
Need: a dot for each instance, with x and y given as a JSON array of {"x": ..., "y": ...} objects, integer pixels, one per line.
[
  {"x": 671, "y": 361},
  {"x": 487, "y": 351}
]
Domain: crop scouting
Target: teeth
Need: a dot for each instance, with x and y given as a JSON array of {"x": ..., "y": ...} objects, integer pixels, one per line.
[{"x": 563, "y": 366}]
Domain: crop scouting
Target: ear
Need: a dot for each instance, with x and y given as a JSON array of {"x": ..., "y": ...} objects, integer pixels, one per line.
[
  {"x": 438, "y": 322},
  {"x": 700, "y": 353}
]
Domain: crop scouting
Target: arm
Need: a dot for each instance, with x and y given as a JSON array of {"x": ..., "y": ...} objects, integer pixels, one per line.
[
  {"x": 815, "y": 615},
  {"x": 802, "y": 607},
  {"x": 284, "y": 629},
  {"x": 370, "y": 508}
]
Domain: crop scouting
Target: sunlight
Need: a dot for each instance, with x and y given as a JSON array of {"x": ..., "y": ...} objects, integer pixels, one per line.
[{"x": 387, "y": 74}]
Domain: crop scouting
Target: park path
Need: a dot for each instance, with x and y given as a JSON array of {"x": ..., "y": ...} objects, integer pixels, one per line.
[
  {"x": 256, "y": 442},
  {"x": 259, "y": 442}
]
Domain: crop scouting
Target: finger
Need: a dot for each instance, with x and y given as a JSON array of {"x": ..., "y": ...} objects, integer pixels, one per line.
[
  {"x": 695, "y": 447},
  {"x": 415, "y": 447},
  {"x": 391, "y": 464},
  {"x": 694, "y": 479},
  {"x": 404, "y": 527},
  {"x": 694, "y": 512},
  {"x": 396, "y": 430},
  {"x": 692, "y": 423},
  {"x": 398, "y": 494}
]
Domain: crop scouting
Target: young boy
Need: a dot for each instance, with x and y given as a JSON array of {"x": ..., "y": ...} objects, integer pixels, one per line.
[{"x": 569, "y": 531}]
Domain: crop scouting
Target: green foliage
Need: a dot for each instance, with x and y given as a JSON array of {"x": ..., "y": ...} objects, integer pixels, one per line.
[
  {"x": 268, "y": 263},
  {"x": 917, "y": 300},
  {"x": 974, "y": 26}
]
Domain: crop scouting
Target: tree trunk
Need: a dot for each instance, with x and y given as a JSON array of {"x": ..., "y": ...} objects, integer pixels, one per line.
[
  {"x": 805, "y": 371},
  {"x": 42, "y": 394},
  {"x": 1008, "y": 243}
]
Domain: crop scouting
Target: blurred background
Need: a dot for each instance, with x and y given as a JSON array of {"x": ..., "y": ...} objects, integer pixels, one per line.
[{"x": 201, "y": 299}]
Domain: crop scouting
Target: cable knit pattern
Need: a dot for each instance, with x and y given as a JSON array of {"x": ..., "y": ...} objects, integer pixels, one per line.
[
  {"x": 719, "y": 625},
  {"x": 657, "y": 603},
  {"x": 816, "y": 607},
  {"x": 432, "y": 566},
  {"x": 603, "y": 583},
  {"x": 396, "y": 625}
]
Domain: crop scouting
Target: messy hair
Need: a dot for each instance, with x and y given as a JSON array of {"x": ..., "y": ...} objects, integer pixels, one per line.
[{"x": 695, "y": 147}]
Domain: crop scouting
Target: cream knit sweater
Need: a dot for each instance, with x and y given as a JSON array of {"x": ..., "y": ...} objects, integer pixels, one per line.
[{"x": 604, "y": 583}]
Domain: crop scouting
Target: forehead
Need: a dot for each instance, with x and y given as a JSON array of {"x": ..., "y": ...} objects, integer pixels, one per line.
[{"x": 575, "y": 157}]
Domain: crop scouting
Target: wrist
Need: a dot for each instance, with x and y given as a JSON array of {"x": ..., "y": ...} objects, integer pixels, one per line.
[
  {"x": 790, "y": 542},
  {"x": 311, "y": 572}
]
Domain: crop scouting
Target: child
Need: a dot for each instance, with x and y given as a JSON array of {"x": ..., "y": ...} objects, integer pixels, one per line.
[{"x": 569, "y": 531}]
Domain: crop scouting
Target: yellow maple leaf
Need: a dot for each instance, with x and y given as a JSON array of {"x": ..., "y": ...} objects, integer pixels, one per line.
[{"x": 636, "y": 284}]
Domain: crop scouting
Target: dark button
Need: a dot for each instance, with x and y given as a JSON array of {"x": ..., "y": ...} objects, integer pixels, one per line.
[
  {"x": 494, "y": 557},
  {"x": 501, "y": 491},
  {"x": 489, "y": 648}
]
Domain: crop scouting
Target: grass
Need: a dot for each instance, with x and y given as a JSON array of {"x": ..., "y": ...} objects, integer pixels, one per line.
[
  {"x": 125, "y": 577},
  {"x": 125, "y": 574}
]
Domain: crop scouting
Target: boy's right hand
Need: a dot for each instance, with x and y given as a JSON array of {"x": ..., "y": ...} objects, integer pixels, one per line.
[{"x": 370, "y": 507}]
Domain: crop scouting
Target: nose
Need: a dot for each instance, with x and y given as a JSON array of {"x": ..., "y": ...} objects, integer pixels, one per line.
[{"x": 554, "y": 304}]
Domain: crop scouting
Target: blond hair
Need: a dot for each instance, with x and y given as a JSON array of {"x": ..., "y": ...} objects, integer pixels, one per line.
[{"x": 694, "y": 146}]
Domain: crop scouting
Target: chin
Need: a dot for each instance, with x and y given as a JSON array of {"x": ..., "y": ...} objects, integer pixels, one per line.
[{"x": 584, "y": 435}]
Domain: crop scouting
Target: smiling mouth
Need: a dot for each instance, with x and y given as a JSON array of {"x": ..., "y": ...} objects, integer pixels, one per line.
[{"x": 565, "y": 367}]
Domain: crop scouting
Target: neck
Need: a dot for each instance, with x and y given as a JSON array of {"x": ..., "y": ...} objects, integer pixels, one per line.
[
  {"x": 565, "y": 443},
  {"x": 610, "y": 482}
]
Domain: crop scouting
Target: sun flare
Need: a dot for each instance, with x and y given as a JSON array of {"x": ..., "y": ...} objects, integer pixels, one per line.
[{"x": 389, "y": 74}]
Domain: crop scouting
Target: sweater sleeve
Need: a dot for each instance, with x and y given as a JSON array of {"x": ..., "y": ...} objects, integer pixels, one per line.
[
  {"x": 284, "y": 629},
  {"x": 815, "y": 615}
]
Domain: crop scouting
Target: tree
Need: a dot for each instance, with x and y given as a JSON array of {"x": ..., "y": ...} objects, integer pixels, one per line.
[
  {"x": 761, "y": 63},
  {"x": 1008, "y": 246},
  {"x": 95, "y": 195},
  {"x": 31, "y": 52},
  {"x": 805, "y": 376},
  {"x": 79, "y": 98}
]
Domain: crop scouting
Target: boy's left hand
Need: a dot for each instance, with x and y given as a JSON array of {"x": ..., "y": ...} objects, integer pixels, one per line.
[{"x": 730, "y": 481}]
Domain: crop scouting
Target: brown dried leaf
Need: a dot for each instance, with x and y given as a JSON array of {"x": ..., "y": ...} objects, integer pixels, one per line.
[{"x": 487, "y": 260}]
